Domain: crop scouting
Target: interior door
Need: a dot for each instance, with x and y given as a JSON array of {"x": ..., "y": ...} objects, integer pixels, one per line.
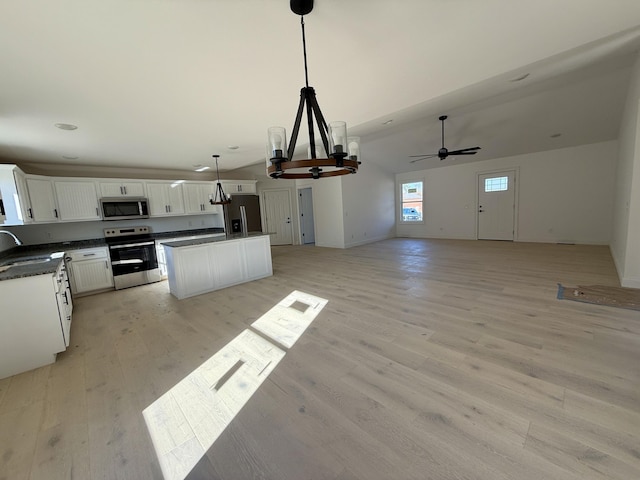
[
  {"x": 277, "y": 209},
  {"x": 496, "y": 205},
  {"x": 307, "y": 228}
]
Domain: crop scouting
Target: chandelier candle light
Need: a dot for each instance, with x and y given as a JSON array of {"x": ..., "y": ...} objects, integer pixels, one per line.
[{"x": 343, "y": 153}]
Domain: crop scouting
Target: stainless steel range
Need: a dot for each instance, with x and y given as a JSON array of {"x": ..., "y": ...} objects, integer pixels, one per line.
[{"x": 133, "y": 256}]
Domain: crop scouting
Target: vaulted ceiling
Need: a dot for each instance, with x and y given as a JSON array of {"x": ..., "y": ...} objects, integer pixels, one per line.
[{"x": 166, "y": 83}]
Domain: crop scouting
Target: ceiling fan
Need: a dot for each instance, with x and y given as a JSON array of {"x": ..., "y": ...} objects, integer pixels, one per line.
[{"x": 443, "y": 152}]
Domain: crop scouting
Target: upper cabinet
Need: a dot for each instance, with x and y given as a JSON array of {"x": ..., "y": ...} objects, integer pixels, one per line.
[
  {"x": 197, "y": 198},
  {"x": 43, "y": 200},
  {"x": 239, "y": 187},
  {"x": 28, "y": 198},
  {"x": 77, "y": 200},
  {"x": 128, "y": 188},
  {"x": 15, "y": 198},
  {"x": 165, "y": 199}
]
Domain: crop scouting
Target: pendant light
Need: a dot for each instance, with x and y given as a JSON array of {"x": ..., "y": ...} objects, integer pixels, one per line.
[
  {"x": 342, "y": 152},
  {"x": 219, "y": 198}
]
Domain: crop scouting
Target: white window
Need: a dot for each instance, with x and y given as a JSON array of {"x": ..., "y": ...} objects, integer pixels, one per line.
[
  {"x": 496, "y": 184},
  {"x": 412, "y": 201}
]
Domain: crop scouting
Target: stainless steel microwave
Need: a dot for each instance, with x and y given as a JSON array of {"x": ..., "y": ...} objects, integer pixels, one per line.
[{"x": 123, "y": 208}]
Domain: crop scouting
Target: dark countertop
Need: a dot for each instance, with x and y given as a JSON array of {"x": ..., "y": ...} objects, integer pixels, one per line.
[
  {"x": 200, "y": 241},
  {"x": 47, "y": 267},
  {"x": 27, "y": 252}
]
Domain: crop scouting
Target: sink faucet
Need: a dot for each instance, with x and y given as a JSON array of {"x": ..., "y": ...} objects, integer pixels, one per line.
[{"x": 16, "y": 239}]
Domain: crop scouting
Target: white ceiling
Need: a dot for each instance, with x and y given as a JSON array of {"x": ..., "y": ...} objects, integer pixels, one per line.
[{"x": 167, "y": 83}]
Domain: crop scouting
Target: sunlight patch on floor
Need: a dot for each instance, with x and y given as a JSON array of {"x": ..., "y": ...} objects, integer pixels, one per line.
[{"x": 186, "y": 421}]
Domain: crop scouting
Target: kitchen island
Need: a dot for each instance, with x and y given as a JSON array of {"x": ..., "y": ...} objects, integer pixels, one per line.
[{"x": 203, "y": 265}]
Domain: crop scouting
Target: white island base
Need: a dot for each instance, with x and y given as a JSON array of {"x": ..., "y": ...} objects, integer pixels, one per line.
[{"x": 199, "y": 266}]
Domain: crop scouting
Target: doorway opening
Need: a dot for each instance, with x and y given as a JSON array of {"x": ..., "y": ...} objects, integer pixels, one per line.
[{"x": 307, "y": 226}]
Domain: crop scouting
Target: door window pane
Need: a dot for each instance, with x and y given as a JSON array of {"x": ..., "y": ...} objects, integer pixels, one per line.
[{"x": 497, "y": 184}]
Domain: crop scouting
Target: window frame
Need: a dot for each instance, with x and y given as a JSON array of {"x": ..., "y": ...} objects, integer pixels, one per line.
[{"x": 401, "y": 202}]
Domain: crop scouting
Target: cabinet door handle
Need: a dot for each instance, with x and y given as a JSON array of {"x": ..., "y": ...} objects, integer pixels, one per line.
[
  {"x": 121, "y": 190},
  {"x": 55, "y": 211},
  {"x": 106, "y": 265},
  {"x": 66, "y": 300},
  {"x": 97, "y": 212},
  {"x": 88, "y": 254},
  {"x": 125, "y": 189},
  {"x": 30, "y": 213}
]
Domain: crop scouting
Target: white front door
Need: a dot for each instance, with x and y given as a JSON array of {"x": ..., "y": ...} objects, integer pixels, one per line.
[
  {"x": 277, "y": 209},
  {"x": 496, "y": 205}
]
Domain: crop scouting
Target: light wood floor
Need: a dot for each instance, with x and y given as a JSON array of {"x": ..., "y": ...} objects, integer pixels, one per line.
[{"x": 432, "y": 360}]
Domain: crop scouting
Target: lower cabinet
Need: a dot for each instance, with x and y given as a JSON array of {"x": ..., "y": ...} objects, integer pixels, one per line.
[
  {"x": 89, "y": 270},
  {"x": 36, "y": 318},
  {"x": 204, "y": 267}
]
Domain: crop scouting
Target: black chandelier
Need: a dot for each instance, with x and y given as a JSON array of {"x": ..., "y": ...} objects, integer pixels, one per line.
[
  {"x": 219, "y": 198},
  {"x": 342, "y": 152}
]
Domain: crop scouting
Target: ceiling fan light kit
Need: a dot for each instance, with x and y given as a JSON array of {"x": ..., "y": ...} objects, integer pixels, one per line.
[
  {"x": 444, "y": 152},
  {"x": 342, "y": 152}
]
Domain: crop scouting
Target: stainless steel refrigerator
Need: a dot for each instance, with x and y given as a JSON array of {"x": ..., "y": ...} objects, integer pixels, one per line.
[{"x": 233, "y": 217}]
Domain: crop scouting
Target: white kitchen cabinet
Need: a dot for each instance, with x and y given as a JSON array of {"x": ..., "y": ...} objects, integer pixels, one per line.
[
  {"x": 189, "y": 270},
  {"x": 77, "y": 200},
  {"x": 257, "y": 257},
  {"x": 239, "y": 187},
  {"x": 197, "y": 198},
  {"x": 15, "y": 198},
  {"x": 227, "y": 263},
  {"x": 204, "y": 267},
  {"x": 32, "y": 330},
  {"x": 165, "y": 199},
  {"x": 23, "y": 202},
  {"x": 122, "y": 189},
  {"x": 160, "y": 253},
  {"x": 89, "y": 270},
  {"x": 43, "y": 200}
]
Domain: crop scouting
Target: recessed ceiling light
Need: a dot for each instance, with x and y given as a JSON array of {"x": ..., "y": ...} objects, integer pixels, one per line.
[
  {"x": 233, "y": 147},
  {"x": 69, "y": 157},
  {"x": 387, "y": 122},
  {"x": 556, "y": 135},
  {"x": 66, "y": 126},
  {"x": 520, "y": 78}
]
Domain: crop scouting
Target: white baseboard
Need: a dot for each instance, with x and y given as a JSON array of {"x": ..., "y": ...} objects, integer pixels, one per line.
[
  {"x": 368, "y": 240},
  {"x": 630, "y": 282}
]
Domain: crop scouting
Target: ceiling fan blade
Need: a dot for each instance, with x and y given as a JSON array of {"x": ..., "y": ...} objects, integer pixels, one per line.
[
  {"x": 425, "y": 155},
  {"x": 465, "y": 151},
  {"x": 422, "y": 157}
]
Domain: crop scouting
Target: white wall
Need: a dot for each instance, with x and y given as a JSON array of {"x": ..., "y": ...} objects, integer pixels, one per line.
[
  {"x": 625, "y": 241},
  {"x": 368, "y": 205},
  {"x": 564, "y": 195}
]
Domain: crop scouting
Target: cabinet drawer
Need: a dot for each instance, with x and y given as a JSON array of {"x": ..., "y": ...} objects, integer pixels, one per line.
[{"x": 87, "y": 254}]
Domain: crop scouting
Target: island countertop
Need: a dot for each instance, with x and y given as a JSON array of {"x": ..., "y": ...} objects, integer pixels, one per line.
[{"x": 213, "y": 239}]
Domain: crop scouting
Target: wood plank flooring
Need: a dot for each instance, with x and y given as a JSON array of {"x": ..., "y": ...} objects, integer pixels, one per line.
[{"x": 433, "y": 359}]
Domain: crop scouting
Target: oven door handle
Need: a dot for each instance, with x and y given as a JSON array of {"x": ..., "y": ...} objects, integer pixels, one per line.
[
  {"x": 114, "y": 247},
  {"x": 127, "y": 262}
]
